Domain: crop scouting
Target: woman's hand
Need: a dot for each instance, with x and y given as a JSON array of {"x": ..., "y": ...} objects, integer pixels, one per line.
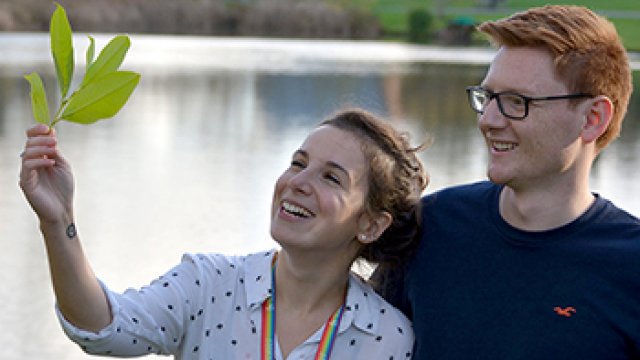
[{"x": 45, "y": 177}]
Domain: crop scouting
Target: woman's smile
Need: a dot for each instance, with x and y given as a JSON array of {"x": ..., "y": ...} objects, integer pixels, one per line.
[{"x": 298, "y": 211}]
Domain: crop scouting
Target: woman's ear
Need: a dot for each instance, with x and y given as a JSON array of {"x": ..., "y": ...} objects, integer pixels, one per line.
[
  {"x": 371, "y": 226},
  {"x": 598, "y": 117}
]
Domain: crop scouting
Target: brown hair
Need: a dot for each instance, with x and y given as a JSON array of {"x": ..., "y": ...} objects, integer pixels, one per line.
[
  {"x": 588, "y": 53},
  {"x": 396, "y": 181}
]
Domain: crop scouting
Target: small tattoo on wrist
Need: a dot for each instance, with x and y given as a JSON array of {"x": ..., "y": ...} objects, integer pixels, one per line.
[{"x": 71, "y": 231}]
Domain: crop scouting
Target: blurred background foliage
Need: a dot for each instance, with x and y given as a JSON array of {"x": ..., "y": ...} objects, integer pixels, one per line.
[{"x": 443, "y": 22}]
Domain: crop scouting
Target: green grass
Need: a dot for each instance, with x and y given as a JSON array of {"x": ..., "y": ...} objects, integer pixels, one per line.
[
  {"x": 592, "y": 4},
  {"x": 393, "y": 14},
  {"x": 629, "y": 30}
]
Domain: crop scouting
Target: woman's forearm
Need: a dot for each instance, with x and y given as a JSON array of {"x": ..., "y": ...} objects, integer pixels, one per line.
[{"x": 79, "y": 295}]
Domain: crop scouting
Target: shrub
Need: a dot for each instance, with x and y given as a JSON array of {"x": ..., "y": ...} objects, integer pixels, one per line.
[{"x": 420, "y": 22}]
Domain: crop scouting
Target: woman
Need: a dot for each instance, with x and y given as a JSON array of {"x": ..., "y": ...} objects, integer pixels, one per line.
[{"x": 351, "y": 192}]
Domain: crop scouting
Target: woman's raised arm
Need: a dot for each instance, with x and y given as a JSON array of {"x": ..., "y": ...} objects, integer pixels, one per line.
[{"x": 46, "y": 180}]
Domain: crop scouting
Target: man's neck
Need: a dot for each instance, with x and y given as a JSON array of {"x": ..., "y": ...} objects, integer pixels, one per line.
[{"x": 543, "y": 209}]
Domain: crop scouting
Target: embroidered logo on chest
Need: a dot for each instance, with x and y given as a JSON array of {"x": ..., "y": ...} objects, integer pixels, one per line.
[{"x": 566, "y": 311}]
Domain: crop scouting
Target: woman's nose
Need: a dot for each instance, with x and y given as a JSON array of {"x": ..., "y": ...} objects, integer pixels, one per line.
[{"x": 300, "y": 182}]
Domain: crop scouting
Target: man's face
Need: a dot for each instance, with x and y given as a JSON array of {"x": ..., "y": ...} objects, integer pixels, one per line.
[{"x": 543, "y": 146}]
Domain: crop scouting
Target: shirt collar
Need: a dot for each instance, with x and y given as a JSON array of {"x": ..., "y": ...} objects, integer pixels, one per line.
[
  {"x": 362, "y": 309},
  {"x": 258, "y": 278}
]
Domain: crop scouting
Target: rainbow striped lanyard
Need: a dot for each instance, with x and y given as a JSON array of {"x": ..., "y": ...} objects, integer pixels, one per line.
[{"x": 268, "y": 343}]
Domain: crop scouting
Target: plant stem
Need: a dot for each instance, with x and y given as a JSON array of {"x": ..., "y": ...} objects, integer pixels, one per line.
[{"x": 56, "y": 117}]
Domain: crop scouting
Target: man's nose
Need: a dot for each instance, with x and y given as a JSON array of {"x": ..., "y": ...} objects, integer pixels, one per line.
[{"x": 491, "y": 116}]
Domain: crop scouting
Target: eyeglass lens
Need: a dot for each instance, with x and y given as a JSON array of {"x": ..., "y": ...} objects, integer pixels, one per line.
[{"x": 510, "y": 104}]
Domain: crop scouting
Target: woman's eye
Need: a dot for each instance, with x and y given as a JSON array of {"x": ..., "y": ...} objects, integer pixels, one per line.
[
  {"x": 331, "y": 177},
  {"x": 297, "y": 164}
]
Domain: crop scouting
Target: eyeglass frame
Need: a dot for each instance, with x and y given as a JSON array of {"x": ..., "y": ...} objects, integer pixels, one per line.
[{"x": 527, "y": 99}]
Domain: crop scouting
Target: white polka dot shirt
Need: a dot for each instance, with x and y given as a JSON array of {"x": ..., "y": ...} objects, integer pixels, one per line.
[{"x": 209, "y": 307}]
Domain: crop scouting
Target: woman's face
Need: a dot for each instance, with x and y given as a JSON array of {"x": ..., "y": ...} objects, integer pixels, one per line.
[{"x": 318, "y": 201}]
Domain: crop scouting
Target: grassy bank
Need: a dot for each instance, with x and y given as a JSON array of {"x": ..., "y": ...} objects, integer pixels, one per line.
[
  {"x": 393, "y": 14},
  {"x": 350, "y": 19}
]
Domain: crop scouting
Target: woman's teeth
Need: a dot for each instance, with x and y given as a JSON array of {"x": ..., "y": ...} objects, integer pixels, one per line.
[{"x": 295, "y": 210}]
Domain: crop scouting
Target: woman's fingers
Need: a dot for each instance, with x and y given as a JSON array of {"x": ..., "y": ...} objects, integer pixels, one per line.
[
  {"x": 30, "y": 165},
  {"x": 44, "y": 140},
  {"x": 41, "y": 143},
  {"x": 40, "y": 152},
  {"x": 40, "y": 130},
  {"x": 33, "y": 152}
]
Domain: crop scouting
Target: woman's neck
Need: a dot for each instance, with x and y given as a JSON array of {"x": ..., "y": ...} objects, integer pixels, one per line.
[
  {"x": 306, "y": 287},
  {"x": 307, "y": 294}
]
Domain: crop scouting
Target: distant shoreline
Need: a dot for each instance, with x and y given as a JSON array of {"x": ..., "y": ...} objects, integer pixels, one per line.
[{"x": 220, "y": 52}]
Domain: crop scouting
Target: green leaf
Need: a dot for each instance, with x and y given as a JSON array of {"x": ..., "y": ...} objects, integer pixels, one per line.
[
  {"x": 90, "y": 51},
  {"x": 62, "y": 48},
  {"x": 38, "y": 98},
  {"x": 102, "y": 98},
  {"x": 109, "y": 60}
]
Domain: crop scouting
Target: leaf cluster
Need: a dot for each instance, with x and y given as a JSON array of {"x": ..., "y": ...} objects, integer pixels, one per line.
[{"x": 104, "y": 89}]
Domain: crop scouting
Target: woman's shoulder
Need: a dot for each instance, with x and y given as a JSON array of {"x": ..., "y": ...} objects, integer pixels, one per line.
[
  {"x": 221, "y": 264},
  {"x": 375, "y": 311}
]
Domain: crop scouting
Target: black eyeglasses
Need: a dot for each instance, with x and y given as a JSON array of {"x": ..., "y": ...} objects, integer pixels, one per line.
[{"x": 511, "y": 104}]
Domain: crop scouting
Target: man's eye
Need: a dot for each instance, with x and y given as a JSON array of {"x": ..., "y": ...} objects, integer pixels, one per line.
[{"x": 513, "y": 100}]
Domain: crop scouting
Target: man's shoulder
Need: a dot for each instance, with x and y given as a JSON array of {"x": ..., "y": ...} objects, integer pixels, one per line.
[
  {"x": 613, "y": 216},
  {"x": 468, "y": 191}
]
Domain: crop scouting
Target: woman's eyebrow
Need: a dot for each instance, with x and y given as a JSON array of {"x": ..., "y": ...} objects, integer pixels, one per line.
[
  {"x": 338, "y": 167},
  {"x": 331, "y": 164},
  {"x": 301, "y": 153}
]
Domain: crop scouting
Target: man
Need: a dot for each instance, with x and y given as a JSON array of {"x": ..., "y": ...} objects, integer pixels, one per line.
[{"x": 533, "y": 265}]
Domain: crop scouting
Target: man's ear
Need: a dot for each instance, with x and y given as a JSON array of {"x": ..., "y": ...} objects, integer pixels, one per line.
[
  {"x": 371, "y": 226},
  {"x": 598, "y": 117}
]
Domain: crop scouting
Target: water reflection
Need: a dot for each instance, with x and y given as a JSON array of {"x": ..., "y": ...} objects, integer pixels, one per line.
[{"x": 189, "y": 164}]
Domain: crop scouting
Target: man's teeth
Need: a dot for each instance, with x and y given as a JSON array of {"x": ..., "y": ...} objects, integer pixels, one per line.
[
  {"x": 295, "y": 210},
  {"x": 502, "y": 146}
]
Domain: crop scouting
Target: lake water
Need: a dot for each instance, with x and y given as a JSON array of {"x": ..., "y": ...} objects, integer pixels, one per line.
[{"x": 189, "y": 164}]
